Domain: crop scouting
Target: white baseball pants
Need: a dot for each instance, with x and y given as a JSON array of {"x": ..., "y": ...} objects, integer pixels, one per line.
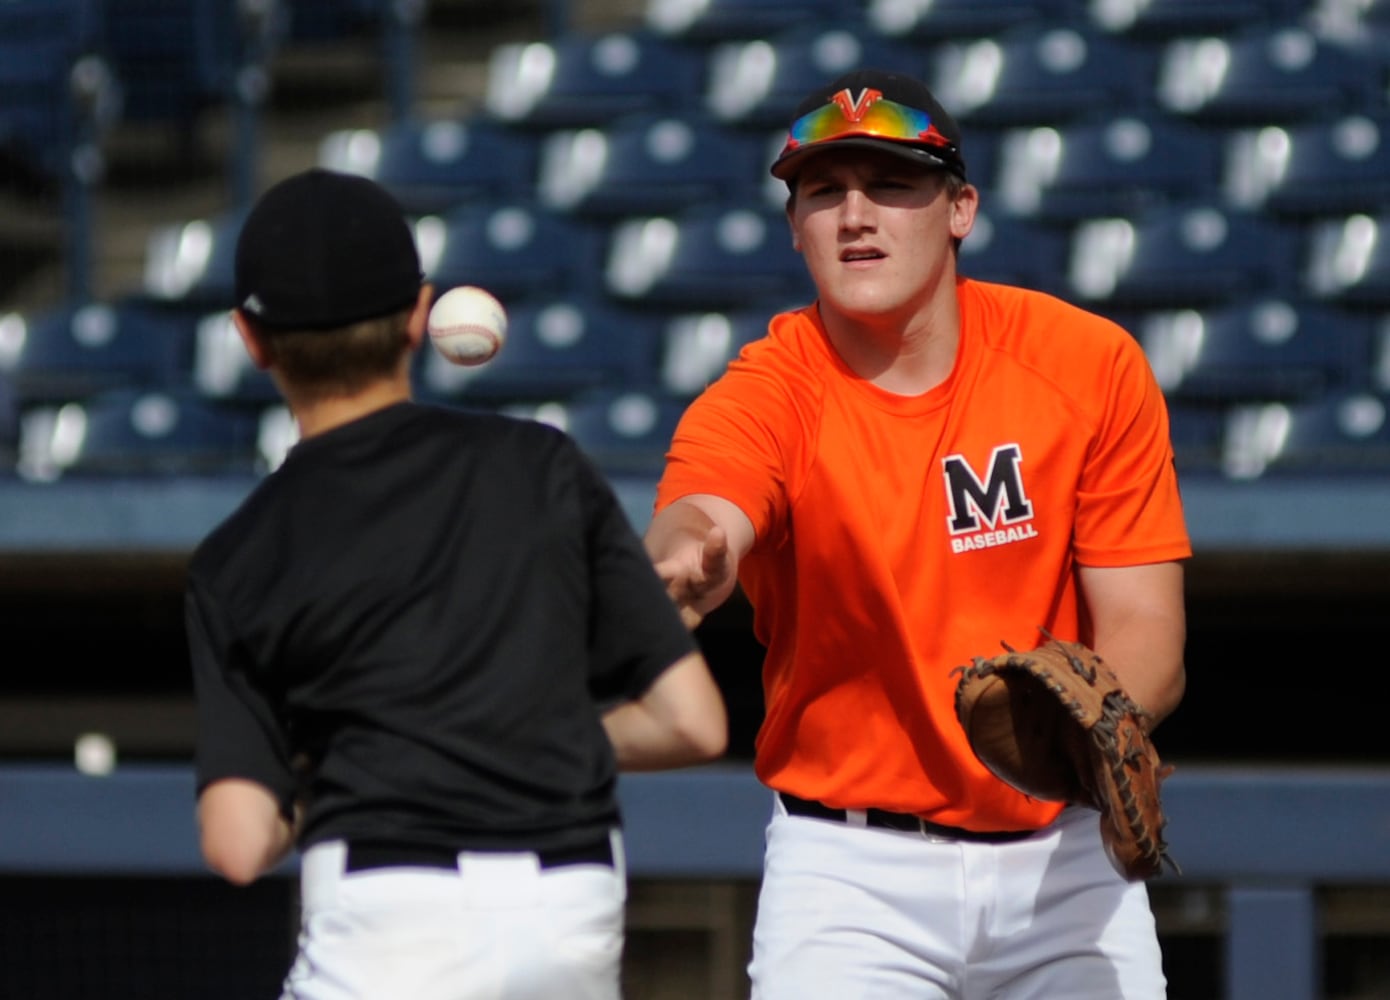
[
  {"x": 498, "y": 928},
  {"x": 866, "y": 914}
]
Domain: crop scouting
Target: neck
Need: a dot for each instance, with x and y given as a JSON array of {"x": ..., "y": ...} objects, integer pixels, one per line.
[
  {"x": 317, "y": 414},
  {"x": 907, "y": 358}
]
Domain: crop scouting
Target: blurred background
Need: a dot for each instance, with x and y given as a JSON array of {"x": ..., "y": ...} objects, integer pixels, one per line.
[{"x": 1213, "y": 174}]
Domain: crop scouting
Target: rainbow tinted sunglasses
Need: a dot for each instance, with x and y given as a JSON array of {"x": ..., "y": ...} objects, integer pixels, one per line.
[{"x": 871, "y": 116}]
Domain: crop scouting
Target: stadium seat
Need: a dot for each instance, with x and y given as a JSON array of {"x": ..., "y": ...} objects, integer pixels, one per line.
[
  {"x": 173, "y": 60},
  {"x": 557, "y": 348},
  {"x": 711, "y": 256},
  {"x": 697, "y": 346},
  {"x": 1195, "y": 253},
  {"x": 757, "y": 83},
  {"x": 191, "y": 262},
  {"x": 57, "y": 87},
  {"x": 625, "y": 431},
  {"x": 706, "y": 21},
  {"x": 1342, "y": 434},
  {"x": 1116, "y": 165},
  {"x": 1014, "y": 251},
  {"x": 1182, "y": 18},
  {"x": 932, "y": 20},
  {"x": 132, "y": 432},
  {"x": 330, "y": 20},
  {"x": 434, "y": 165},
  {"x": 1348, "y": 259},
  {"x": 1040, "y": 76},
  {"x": 1197, "y": 432},
  {"x": 1315, "y": 168},
  {"x": 71, "y": 352},
  {"x": 646, "y": 165},
  {"x": 1261, "y": 349},
  {"x": 513, "y": 249},
  {"x": 222, "y": 369},
  {"x": 1265, "y": 76},
  {"x": 580, "y": 79}
]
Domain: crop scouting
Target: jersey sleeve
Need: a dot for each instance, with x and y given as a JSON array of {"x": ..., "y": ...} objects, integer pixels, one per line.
[
  {"x": 1129, "y": 509},
  {"x": 739, "y": 440},
  {"x": 635, "y": 630},
  {"x": 238, "y": 733}
]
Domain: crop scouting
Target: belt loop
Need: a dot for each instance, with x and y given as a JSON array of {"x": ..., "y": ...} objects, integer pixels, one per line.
[{"x": 857, "y": 817}]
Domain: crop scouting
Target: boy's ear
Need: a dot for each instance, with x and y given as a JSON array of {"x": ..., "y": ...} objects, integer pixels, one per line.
[
  {"x": 420, "y": 316},
  {"x": 256, "y": 345}
]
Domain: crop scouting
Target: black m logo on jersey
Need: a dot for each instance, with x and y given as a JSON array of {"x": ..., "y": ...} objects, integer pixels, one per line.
[{"x": 999, "y": 500}]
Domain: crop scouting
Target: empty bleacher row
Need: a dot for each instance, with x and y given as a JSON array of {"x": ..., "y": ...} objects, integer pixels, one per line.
[{"x": 1213, "y": 174}]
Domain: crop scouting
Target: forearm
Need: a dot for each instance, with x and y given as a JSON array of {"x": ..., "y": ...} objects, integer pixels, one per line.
[
  {"x": 243, "y": 833},
  {"x": 679, "y": 721}
]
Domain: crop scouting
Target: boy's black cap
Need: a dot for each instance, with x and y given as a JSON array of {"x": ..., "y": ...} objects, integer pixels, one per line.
[
  {"x": 321, "y": 250},
  {"x": 855, "y": 91}
]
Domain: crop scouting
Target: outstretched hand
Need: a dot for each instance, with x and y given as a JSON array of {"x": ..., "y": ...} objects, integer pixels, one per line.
[{"x": 698, "y": 575}]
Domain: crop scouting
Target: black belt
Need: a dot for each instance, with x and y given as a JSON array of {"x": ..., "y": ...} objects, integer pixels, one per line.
[
  {"x": 902, "y": 822},
  {"x": 367, "y": 856}
]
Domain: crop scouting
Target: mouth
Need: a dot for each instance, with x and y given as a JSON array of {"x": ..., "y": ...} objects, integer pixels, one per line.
[{"x": 853, "y": 255}]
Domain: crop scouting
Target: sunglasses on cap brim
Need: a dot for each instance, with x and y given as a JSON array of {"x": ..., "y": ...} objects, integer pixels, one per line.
[{"x": 871, "y": 116}]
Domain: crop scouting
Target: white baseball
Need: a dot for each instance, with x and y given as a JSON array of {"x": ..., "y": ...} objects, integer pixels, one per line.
[{"x": 467, "y": 325}]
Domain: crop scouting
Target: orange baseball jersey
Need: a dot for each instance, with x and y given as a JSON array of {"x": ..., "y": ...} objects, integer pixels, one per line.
[{"x": 898, "y": 537}]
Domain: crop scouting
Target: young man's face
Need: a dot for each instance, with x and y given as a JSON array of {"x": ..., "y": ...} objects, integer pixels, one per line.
[{"x": 877, "y": 232}]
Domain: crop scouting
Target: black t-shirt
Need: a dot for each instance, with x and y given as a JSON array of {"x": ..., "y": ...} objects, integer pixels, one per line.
[{"x": 420, "y": 612}]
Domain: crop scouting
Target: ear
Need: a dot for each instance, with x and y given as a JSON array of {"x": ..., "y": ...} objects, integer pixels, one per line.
[
  {"x": 419, "y": 316},
  {"x": 963, "y": 210},
  {"x": 256, "y": 345}
]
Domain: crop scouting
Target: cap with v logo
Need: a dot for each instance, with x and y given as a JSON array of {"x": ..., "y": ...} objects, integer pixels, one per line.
[{"x": 873, "y": 109}]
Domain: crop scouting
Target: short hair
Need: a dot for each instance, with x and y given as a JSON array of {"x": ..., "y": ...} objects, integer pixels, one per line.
[{"x": 342, "y": 361}]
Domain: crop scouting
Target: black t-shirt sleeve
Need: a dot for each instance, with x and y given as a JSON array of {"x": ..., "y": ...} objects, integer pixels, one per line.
[
  {"x": 238, "y": 732},
  {"x": 636, "y": 632}
]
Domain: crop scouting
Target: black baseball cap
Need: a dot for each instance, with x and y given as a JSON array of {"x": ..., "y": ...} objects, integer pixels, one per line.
[
  {"x": 873, "y": 109},
  {"x": 321, "y": 250}
]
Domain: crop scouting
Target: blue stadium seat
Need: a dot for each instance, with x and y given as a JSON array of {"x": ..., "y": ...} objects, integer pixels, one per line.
[
  {"x": 1348, "y": 259},
  {"x": 130, "y": 432},
  {"x": 711, "y": 256},
  {"x": 1117, "y": 165},
  {"x": 1260, "y": 349},
  {"x": 1265, "y": 76},
  {"x": 1040, "y": 76},
  {"x": 435, "y": 165},
  {"x": 514, "y": 249},
  {"x": 556, "y": 348},
  {"x": 1342, "y": 434},
  {"x": 54, "y": 82},
  {"x": 581, "y": 79},
  {"x": 222, "y": 369},
  {"x": 1197, "y": 431},
  {"x": 1014, "y": 251},
  {"x": 192, "y": 262},
  {"x": 71, "y": 352},
  {"x": 707, "y": 21},
  {"x": 625, "y": 431},
  {"x": 173, "y": 60},
  {"x": 1316, "y": 168},
  {"x": 1194, "y": 253},
  {"x": 930, "y": 21},
  {"x": 757, "y": 84},
  {"x": 697, "y": 346},
  {"x": 646, "y": 165},
  {"x": 1181, "y": 18}
]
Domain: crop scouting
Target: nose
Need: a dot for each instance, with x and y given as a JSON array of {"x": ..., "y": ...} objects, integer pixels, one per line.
[{"x": 856, "y": 210}]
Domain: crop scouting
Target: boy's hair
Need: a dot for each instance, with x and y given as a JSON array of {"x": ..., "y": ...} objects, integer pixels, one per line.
[{"x": 342, "y": 361}]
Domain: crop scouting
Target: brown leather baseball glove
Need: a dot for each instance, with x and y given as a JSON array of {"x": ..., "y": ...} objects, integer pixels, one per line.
[{"x": 1055, "y": 724}]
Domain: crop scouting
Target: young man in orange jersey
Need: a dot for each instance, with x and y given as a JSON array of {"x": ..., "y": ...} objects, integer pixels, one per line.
[{"x": 904, "y": 474}]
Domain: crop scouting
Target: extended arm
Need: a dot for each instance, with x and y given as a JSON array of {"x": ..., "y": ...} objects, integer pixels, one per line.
[
  {"x": 696, "y": 544},
  {"x": 1139, "y": 627},
  {"x": 243, "y": 834},
  {"x": 678, "y": 721}
]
